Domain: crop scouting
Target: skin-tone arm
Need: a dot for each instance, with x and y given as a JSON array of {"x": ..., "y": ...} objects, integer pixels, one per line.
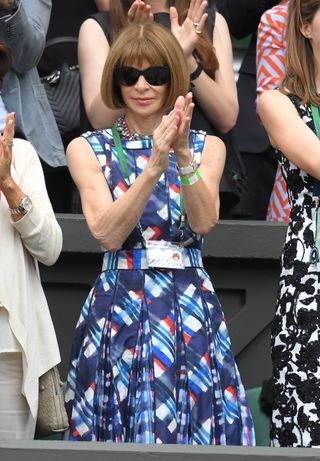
[
  {"x": 103, "y": 5},
  {"x": 8, "y": 186},
  {"x": 289, "y": 133},
  {"x": 93, "y": 48},
  {"x": 222, "y": 106}
]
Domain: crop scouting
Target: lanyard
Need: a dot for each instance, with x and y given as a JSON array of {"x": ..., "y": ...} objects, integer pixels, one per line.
[
  {"x": 125, "y": 170},
  {"x": 316, "y": 121},
  {"x": 122, "y": 158}
]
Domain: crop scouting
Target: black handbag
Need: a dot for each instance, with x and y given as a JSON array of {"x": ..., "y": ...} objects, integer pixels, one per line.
[{"x": 62, "y": 87}]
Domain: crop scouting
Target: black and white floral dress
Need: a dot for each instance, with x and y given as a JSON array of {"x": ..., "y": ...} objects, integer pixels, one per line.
[{"x": 296, "y": 326}]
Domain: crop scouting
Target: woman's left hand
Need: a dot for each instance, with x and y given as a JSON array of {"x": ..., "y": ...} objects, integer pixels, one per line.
[
  {"x": 188, "y": 33},
  {"x": 139, "y": 13},
  {"x": 184, "y": 108},
  {"x": 6, "y": 142}
]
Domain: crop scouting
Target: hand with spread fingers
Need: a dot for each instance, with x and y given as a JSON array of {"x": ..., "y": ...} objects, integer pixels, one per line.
[
  {"x": 6, "y": 143},
  {"x": 188, "y": 33},
  {"x": 140, "y": 13}
]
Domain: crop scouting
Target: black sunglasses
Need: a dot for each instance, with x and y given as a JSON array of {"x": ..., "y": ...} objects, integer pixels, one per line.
[{"x": 155, "y": 75}]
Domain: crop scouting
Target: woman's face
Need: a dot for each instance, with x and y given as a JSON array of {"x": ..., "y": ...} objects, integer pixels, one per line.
[
  {"x": 312, "y": 31},
  {"x": 141, "y": 97}
]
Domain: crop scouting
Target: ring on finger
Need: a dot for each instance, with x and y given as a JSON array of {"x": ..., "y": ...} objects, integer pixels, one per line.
[
  {"x": 10, "y": 144},
  {"x": 199, "y": 32},
  {"x": 195, "y": 24}
]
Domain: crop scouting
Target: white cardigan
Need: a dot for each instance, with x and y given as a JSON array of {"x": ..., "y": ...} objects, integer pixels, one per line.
[{"x": 35, "y": 237}]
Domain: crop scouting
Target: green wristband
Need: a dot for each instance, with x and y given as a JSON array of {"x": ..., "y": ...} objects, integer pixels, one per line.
[{"x": 191, "y": 180}]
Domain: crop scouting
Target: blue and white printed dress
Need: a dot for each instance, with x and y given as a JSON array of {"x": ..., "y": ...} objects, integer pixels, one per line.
[{"x": 151, "y": 360}]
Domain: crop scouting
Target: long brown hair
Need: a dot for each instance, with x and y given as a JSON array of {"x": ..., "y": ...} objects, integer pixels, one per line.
[
  {"x": 204, "y": 49},
  {"x": 300, "y": 67}
]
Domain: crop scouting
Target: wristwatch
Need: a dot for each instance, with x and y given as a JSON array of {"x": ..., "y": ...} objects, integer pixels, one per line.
[
  {"x": 192, "y": 168},
  {"x": 24, "y": 206}
]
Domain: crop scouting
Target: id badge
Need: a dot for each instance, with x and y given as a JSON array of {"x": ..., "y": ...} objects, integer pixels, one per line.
[{"x": 162, "y": 254}]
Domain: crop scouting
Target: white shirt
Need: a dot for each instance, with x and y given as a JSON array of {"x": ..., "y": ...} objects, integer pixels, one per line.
[{"x": 35, "y": 237}]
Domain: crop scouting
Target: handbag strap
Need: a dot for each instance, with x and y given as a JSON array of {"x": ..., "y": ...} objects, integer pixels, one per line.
[{"x": 61, "y": 39}]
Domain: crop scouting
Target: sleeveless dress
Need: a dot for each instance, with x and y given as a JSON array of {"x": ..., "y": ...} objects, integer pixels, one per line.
[
  {"x": 151, "y": 360},
  {"x": 296, "y": 329}
]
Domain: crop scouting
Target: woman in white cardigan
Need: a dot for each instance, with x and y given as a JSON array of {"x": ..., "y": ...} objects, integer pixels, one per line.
[{"x": 29, "y": 233}]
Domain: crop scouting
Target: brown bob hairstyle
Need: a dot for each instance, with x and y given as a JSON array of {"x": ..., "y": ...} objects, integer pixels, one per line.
[
  {"x": 153, "y": 43},
  {"x": 300, "y": 67}
]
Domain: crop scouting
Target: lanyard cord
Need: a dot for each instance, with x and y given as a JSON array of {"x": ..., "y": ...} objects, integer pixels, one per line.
[
  {"x": 316, "y": 121},
  {"x": 125, "y": 170}
]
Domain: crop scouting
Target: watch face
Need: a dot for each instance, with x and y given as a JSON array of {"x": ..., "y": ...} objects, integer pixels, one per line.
[{"x": 25, "y": 204}]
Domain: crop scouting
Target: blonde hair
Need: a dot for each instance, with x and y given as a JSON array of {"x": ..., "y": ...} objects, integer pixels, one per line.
[
  {"x": 153, "y": 43},
  {"x": 300, "y": 68}
]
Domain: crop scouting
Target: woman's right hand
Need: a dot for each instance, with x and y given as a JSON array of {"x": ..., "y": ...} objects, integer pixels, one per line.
[
  {"x": 189, "y": 31},
  {"x": 6, "y": 151},
  {"x": 139, "y": 13},
  {"x": 163, "y": 138}
]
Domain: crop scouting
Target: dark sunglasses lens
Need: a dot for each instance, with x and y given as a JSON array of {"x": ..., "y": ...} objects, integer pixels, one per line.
[
  {"x": 128, "y": 76},
  {"x": 157, "y": 75}
]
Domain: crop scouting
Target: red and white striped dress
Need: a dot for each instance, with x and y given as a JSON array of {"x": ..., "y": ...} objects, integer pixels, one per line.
[{"x": 271, "y": 45}]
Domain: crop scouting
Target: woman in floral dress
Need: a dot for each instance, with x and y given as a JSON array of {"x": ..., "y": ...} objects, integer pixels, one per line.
[
  {"x": 151, "y": 360},
  {"x": 291, "y": 117}
]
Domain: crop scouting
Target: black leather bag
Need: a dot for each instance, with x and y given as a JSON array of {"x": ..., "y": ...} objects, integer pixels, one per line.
[{"x": 63, "y": 91}]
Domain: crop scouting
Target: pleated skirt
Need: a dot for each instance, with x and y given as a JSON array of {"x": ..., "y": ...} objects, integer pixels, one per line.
[{"x": 151, "y": 362}]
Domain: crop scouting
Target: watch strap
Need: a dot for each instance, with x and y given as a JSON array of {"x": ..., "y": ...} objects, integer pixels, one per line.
[
  {"x": 20, "y": 208},
  {"x": 192, "y": 168}
]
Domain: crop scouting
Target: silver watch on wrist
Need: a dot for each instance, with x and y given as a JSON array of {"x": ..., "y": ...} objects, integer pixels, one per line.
[
  {"x": 24, "y": 206},
  {"x": 192, "y": 168}
]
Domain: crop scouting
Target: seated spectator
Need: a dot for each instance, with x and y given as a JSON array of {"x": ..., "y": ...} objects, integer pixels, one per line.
[
  {"x": 29, "y": 233},
  {"x": 208, "y": 50},
  {"x": 271, "y": 46},
  {"x": 258, "y": 155},
  {"x": 144, "y": 337}
]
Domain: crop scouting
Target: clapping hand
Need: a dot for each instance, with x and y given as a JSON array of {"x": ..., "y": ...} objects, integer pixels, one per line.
[
  {"x": 188, "y": 33},
  {"x": 163, "y": 138},
  {"x": 184, "y": 109},
  {"x": 140, "y": 13},
  {"x": 6, "y": 142}
]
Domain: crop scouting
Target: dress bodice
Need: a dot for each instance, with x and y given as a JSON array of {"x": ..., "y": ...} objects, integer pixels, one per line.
[
  {"x": 161, "y": 217},
  {"x": 301, "y": 229}
]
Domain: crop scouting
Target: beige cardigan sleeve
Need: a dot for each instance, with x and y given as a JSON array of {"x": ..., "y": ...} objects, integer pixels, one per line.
[{"x": 39, "y": 230}]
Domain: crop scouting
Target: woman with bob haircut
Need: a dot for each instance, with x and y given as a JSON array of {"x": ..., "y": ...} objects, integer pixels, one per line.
[
  {"x": 151, "y": 360},
  {"x": 291, "y": 117},
  {"x": 204, "y": 37}
]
